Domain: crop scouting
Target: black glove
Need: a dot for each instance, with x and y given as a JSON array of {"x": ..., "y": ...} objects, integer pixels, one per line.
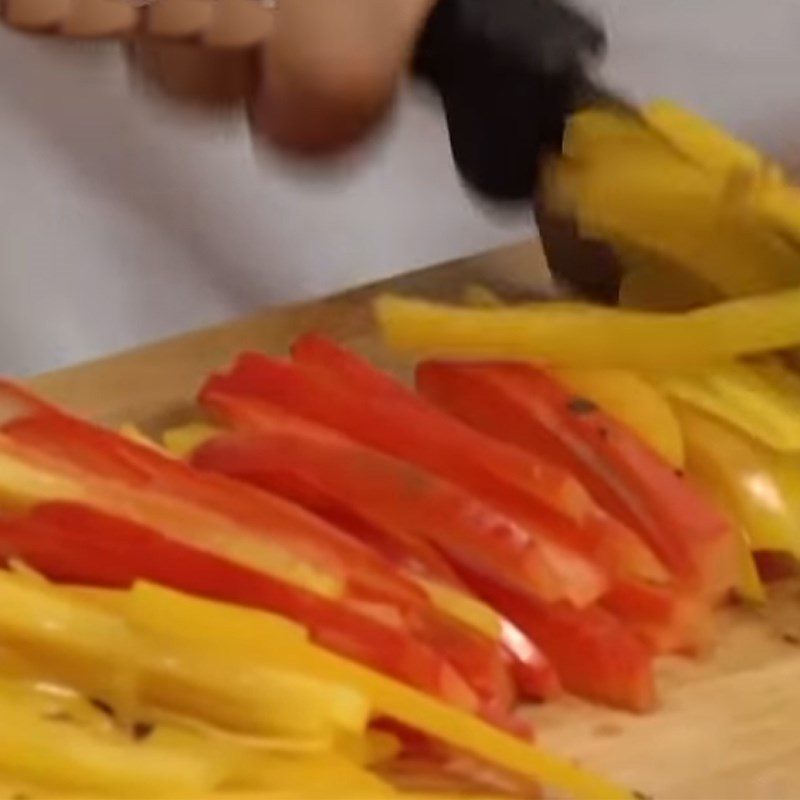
[{"x": 509, "y": 72}]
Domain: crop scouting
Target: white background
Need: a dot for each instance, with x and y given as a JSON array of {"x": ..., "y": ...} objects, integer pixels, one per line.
[{"x": 123, "y": 220}]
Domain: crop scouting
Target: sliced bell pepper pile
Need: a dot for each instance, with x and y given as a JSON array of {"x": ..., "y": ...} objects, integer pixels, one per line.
[
  {"x": 247, "y": 397},
  {"x": 416, "y": 560},
  {"x": 523, "y": 404},
  {"x": 117, "y": 476},
  {"x": 406, "y": 427},
  {"x": 393, "y": 496},
  {"x": 412, "y": 431}
]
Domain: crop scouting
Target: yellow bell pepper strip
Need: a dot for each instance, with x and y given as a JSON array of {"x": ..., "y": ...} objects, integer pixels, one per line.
[
  {"x": 464, "y": 607},
  {"x": 739, "y": 469},
  {"x": 184, "y": 440},
  {"x": 478, "y": 296},
  {"x": 779, "y": 375},
  {"x": 634, "y": 402},
  {"x": 702, "y": 142},
  {"x": 135, "y": 434},
  {"x": 323, "y": 776},
  {"x": 592, "y": 336},
  {"x": 683, "y": 190},
  {"x": 624, "y": 395},
  {"x": 49, "y": 748},
  {"x": 648, "y": 283},
  {"x": 148, "y": 610},
  {"x": 739, "y": 396},
  {"x": 296, "y": 774},
  {"x": 92, "y": 648}
]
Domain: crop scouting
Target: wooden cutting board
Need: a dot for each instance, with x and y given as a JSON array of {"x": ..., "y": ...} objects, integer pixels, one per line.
[{"x": 729, "y": 726}]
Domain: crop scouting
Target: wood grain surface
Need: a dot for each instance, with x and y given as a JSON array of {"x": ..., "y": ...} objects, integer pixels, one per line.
[{"x": 729, "y": 725}]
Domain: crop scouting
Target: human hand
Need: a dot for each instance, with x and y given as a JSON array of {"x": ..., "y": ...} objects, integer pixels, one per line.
[
  {"x": 331, "y": 68},
  {"x": 322, "y": 74}
]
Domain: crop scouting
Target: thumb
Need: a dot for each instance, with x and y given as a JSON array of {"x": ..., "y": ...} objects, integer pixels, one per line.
[{"x": 332, "y": 67}]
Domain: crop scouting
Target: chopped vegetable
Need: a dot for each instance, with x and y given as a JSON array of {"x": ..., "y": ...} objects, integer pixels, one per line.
[
  {"x": 592, "y": 336},
  {"x": 679, "y": 188},
  {"x": 623, "y": 394},
  {"x": 392, "y": 495},
  {"x": 77, "y": 544},
  {"x": 761, "y": 488},
  {"x": 522, "y": 404},
  {"x": 392, "y": 419},
  {"x": 634, "y": 402},
  {"x": 621, "y": 672},
  {"x": 33, "y": 747},
  {"x": 745, "y": 399},
  {"x": 397, "y": 701},
  {"x": 93, "y": 649},
  {"x": 377, "y": 598}
]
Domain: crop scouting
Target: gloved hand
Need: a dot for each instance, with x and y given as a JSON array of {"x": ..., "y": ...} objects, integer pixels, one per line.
[{"x": 509, "y": 72}]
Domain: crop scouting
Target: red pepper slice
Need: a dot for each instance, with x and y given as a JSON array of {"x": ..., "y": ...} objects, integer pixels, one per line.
[
  {"x": 379, "y": 591},
  {"x": 669, "y": 620},
  {"x": 78, "y": 544},
  {"x": 523, "y": 404},
  {"x": 283, "y": 449},
  {"x": 595, "y": 656},
  {"x": 502, "y": 476},
  {"x": 331, "y": 359},
  {"x": 416, "y": 432},
  {"x": 105, "y": 454},
  {"x": 389, "y": 493}
]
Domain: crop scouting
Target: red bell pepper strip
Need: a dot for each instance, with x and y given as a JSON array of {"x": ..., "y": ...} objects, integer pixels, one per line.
[
  {"x": 107, "y": 455},
  {"x": 78, "y": 544},
  {"x": 615, "y": 546},
  {"x": 523, "y": 404},
  {"x": 390, "y": 493},
  {"x": 502, "y": 476},
  {"x": 417, "y": 433},
  {"x": 534, "y": 674},
  {"x": 595, "y": 656},
  {"x": 381, "y": 591},
  {"x": 667, "y": 619},
  {"x": 330, "y": 359},
  {"x": 408, "y": 552}
]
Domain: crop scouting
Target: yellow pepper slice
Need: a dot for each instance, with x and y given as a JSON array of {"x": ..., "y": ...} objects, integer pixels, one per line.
[
  {"x": 708, "y": 146},
  {"x": 675, "y": 186},
  {"x": 737, "y": 468},
  {"x": 94, "y": 649},
  {"x": 183, "y": 441},
  {"x": 40, "y": 747},
  {"x": 387, "y": 696},
  {"x": 633, "y": 401},
  {"x": 466, "y": 609},
  {"x": 624, "y": 395},
  {"x": 137, "y": 435},
  {"x": 740, "y": 396},
  {"x": 592, "y": 336}
]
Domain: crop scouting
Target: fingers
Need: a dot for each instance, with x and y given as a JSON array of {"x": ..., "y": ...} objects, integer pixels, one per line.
[
  {"x": 201, "y": 51},
  {"x": 316, "y": 74},
  {"x": 332, "y": 67},
  {"x": 196, "y": 75}
]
